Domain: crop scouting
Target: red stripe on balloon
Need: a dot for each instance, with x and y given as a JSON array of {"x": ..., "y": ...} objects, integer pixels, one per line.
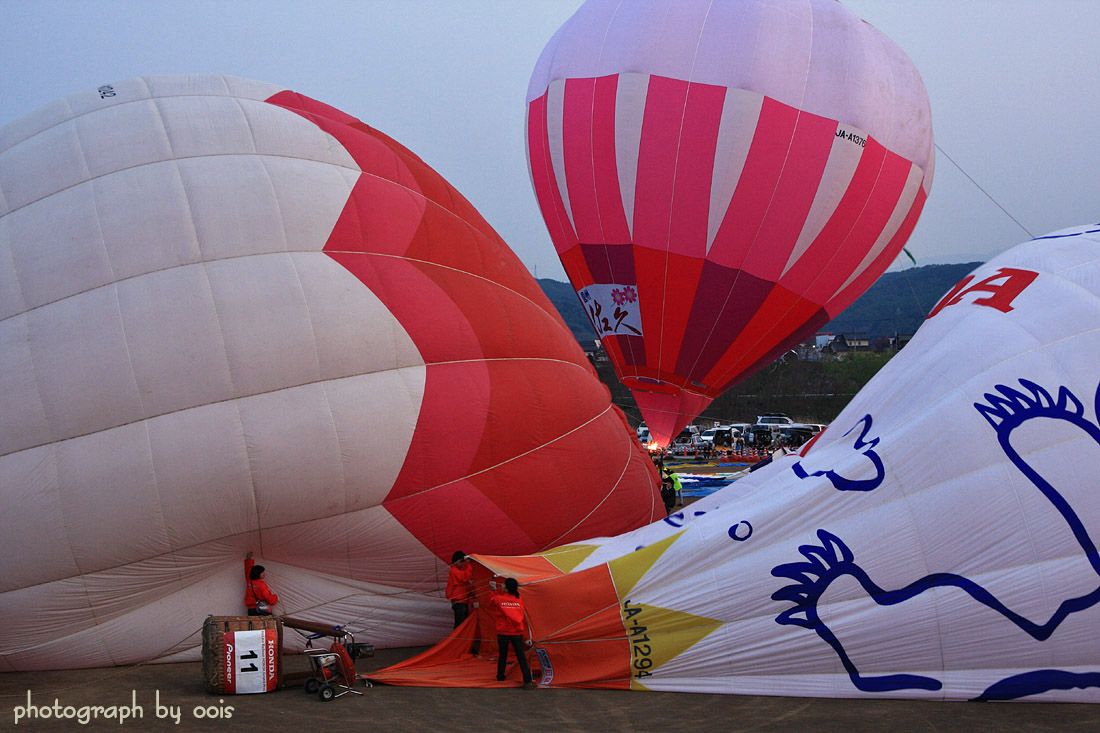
[
  {"x": 661, "y": 122},
  {"x": 879, "y": 206},
  {"x": 455, "y": 394},
  {"x": 610, "y": 263},
  {"x": 805, "y": 275},
  {"x": 779, "y": 315},
  {"x": 609, "y": 200},
  {"x": 379, "y": 217},
  {"x": 576, "y": 267},
  {"x": 694, "y": 173},
  {"x": 666, "y": 286},
  {"x": 310, "y": 108},
  {"x": 737, "y": 236},
  {"x": 815, "y": 321},
  {"x": 441, "y": 517},
  {"x": 577, "y": 112},
  {"x": 793, "y": 196},
  {"x": 543, "y": 179},
  {"x": 864, "y": 280},
  {"x": 724, "y": 303}
]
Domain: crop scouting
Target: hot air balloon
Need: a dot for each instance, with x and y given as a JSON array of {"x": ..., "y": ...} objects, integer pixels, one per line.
[
  {"x": 234, "y": 318},
  {"x": 937, "y": 541},
  {"x": 720, "y": 179}
]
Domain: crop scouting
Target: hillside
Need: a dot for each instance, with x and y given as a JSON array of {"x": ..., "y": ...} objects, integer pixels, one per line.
[
  {"x": 897, "y": 303},
  {"x": 565, "y": 300}
]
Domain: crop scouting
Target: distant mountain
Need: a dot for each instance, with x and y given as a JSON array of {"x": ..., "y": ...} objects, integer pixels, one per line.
[
  {"x": 899, "y": 301},
  {"x": 896, "y": 303},
  {"x": 564, "y": 298}
]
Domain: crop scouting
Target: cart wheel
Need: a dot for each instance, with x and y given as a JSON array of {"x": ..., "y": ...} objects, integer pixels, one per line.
[
  {"x": 327, "y": 693},
  {"x": 312, "y": 684}
]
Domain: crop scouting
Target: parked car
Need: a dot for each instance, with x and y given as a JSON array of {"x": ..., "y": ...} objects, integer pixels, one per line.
[
  {"x": 759, "y": 436},
  {"x": 773, "y": 419},
  {"x": 796, "y": 435},
  {"x": 688, "y": 441},
  {"x": 724, "y": 437},
  {"x": 739, "y": 429}
]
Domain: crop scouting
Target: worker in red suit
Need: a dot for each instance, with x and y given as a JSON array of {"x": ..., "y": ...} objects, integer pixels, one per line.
[
  {"x": 258, "y": 597},
  {"x": 460, "y": 586},
  {"x": 510, "y": 624}
]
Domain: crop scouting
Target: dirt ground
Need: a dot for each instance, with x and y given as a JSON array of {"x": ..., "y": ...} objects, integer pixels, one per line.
[{"x": 178, "y": 688}]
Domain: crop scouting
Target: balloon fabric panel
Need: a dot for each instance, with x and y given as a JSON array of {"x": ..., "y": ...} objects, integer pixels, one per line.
[
  {"x": 726, "y": 301},
  {"x": 738, "y": 244},
  {"x": 675, "y": 160},
  {"x": 867, "y": 277},
  {"x": 435, "y": 242},
  {"x": 543, "y": 179},
  {"x": 765, "y": 337}
]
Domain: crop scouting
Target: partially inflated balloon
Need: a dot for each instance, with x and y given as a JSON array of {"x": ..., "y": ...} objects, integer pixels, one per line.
[
  {"x": 720, "y": 179},
  {"x": 937, "y": 541},
  {"x": 233, "y": 318}
]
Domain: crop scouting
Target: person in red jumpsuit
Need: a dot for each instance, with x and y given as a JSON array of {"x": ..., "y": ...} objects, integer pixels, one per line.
[
  {"x": 510, "y": 624},
  {"x": 460, "y": 586},
  {"x": 255, "y": 588}
]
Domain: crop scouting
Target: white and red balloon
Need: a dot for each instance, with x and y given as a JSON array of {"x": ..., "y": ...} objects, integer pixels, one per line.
[
  {"x": 722, "y": 178},
  {"x": 233, "y": 318}
]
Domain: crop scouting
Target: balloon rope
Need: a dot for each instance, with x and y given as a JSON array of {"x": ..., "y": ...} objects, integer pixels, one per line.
[{"x": 987, "y": 195}]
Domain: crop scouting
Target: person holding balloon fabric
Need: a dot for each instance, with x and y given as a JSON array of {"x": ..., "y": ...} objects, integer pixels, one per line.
[
  {"x": 460, "y": 586},
  {"x": 510, "y": 624}
]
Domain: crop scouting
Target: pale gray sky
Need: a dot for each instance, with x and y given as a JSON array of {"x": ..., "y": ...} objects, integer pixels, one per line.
[{"x": 1014, "y": 86}]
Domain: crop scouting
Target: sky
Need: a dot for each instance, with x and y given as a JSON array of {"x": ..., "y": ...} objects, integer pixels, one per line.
[{"x": 1014, "y": 89}]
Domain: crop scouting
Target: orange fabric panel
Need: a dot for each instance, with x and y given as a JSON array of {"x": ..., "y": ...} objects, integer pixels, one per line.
[
  {"x": 573, "y": 618},
  {"x": 589, "y": 592},
  {"x": 450, "y": 663},
  {"x": 524, "y": 568},
  {"x": 603, "y": 663}
]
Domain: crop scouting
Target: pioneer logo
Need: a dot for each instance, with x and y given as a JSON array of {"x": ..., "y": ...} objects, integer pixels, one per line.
[{"x": 229, "y": 663}]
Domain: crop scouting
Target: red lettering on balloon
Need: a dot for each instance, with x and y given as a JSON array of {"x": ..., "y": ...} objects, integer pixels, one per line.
[{"x": 1003, "y": 287}]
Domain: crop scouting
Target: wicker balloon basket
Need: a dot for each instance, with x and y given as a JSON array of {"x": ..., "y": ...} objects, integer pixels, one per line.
[{"x": 218, "y": 633}]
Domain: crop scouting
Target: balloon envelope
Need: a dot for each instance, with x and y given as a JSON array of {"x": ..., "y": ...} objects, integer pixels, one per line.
[
  {"x": 233, "y": 318},
  {"x": 720, "y": 179},
  {"x": 937, "y": 541}
]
